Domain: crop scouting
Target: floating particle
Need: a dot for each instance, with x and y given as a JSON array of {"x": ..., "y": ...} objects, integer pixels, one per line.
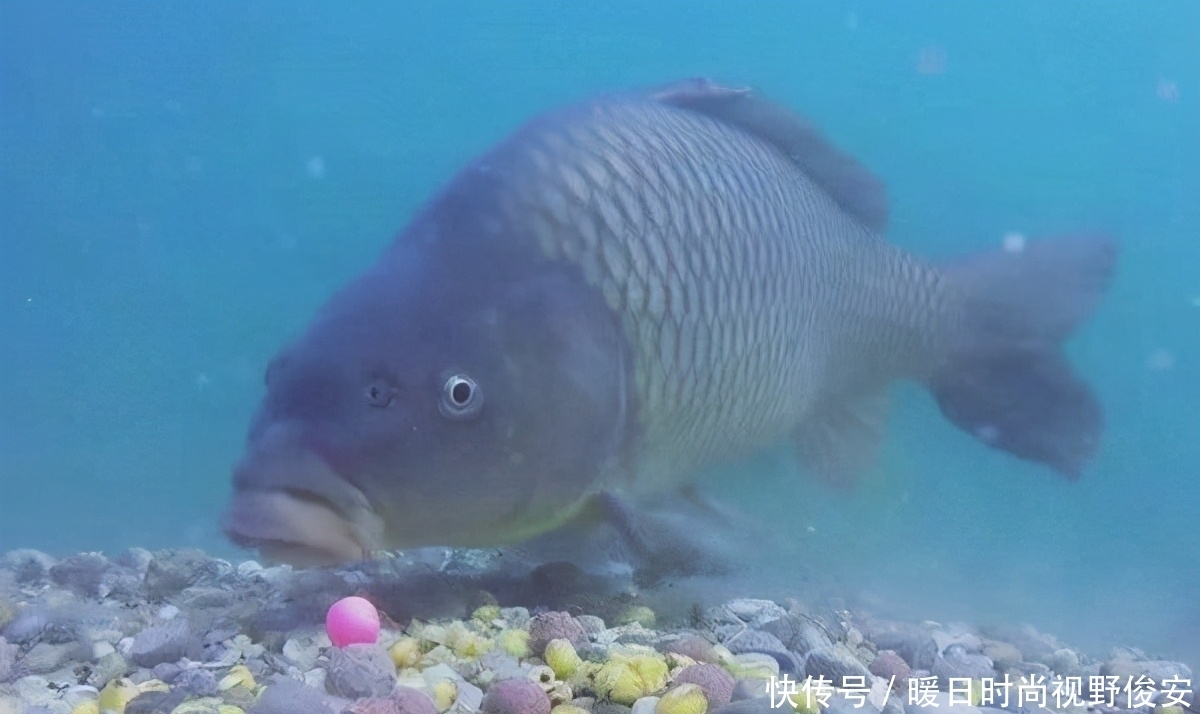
[
  {"x": 1160, "y": 360},
  {"x": 316, "y": 168},
  {"x": 1013, "y": 242},
  {"x": 1167, "y": 90},
  {"x": 931, "y": 60}
]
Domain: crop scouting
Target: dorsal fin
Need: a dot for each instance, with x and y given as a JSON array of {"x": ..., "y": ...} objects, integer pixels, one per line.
[{"x": 850, "y": 184}]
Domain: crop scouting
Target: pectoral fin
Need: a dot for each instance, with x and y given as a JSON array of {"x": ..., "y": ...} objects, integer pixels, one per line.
[{"x": 841, "y": 439}]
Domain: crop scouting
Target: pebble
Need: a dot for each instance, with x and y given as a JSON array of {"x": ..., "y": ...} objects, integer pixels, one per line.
[
  {"x": 1004, "y": 656},
  {"x": 81, "y": 574},
  {"x": 197, "y": 682},
  {"x": 939, "y": 704},
  {"x": 716, "y": 683},
  {"x": 44, "y": 658},
  {"x": 287, "y": 696},
  {"x": 745, "y": 611},
  {"x": 29, "y": 567},
  {"x": 644, "y": 705},
  {"x": 834, "y": 662},
  {"x": 890, "y": 666},
  {"x": 170, "y": 573},
  {"x": 360, "y": 670},
  {"x": 8, "y": 660},
  {"x": 956, "y": 662},
  {"x": 912, "y": 642},
  {"x": 554, "y": 626},
  {"x": 166, "y": 632},
  {"x": 169, "y": 642},
  {"x": 515, "y": 696}
]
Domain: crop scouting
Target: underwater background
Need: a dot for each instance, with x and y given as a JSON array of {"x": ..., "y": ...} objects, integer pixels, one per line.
[{"x": 182, "y": 184}]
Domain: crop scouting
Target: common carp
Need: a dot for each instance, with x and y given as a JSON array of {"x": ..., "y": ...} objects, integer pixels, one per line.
[{"x": 624, "y": 292}]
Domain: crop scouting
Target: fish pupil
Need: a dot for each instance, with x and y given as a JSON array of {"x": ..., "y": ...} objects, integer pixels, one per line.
[{"x": 461, "y": 393}]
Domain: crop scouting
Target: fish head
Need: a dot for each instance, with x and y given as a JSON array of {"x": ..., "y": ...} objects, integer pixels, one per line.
[{"x": 460, "y": 393}]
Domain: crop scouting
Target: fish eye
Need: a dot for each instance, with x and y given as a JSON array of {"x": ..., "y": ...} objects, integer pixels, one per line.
[
  {"x": 461, "y": 397},
  {"x": 380, "y": 394}
]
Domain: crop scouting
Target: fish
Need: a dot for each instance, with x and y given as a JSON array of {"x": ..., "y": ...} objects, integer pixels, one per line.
[{"x": 625, "y": 292}]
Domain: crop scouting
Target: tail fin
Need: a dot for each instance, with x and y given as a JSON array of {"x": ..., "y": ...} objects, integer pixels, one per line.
[{"x": 1005, "y": 379}]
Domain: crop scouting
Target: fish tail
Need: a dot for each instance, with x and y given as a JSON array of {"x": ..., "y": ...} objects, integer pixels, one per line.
[{"x": 1003, "y": 377}]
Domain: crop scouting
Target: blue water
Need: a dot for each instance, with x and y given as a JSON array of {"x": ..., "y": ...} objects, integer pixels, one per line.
[{"x": 182, "y": 184}]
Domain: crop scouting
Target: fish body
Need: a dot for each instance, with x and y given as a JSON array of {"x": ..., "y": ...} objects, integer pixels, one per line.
[{"x": 624, "y": 292}]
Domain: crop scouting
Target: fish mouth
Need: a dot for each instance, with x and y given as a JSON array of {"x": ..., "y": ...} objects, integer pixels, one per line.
[
  {"x": 298, "y": 529},
  {"x": 300, "y": 512}
]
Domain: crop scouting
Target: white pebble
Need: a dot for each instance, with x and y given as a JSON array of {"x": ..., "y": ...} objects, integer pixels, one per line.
[
  {"x": 645, "y": 705},
  {"x": 248, "y": 568}
]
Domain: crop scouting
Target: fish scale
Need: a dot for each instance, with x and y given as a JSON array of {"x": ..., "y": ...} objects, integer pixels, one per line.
[{"x": 710, "y": 284}]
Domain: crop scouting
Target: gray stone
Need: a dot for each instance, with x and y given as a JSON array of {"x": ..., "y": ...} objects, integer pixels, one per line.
[
  {"x": 634, "y": 634},
  {"x": 106, "y": 669},
  {"x": 359, "y": 671},
  {"x": 956, "y": 663},
  {"x": 759, "y": 705},
  {"x": 515, "y": 617},
  {"x": 798, "y": 633},
  {"x": 202, "y": 597},
  {"x": 287, "y": 696},
  {"x": 468, "y": 700},
  {"x": 744, "y": 611},
  {"x": 8, "y": 660},
  {"x": 747, "y": 640},
  {"x": 912, "y": 642},
  {"x": 592, "y": 625},
  {"x": 1003, "y": 655},
  {"x": 515, "y": 696},
  {"x": 1066, "y": 663},
  {"x": 1030, "y": 669},
  {"x": 169, "y": 642},
  {"x": 940, "y": 705},
  {"x": 27, "y": 625},
  {"x": 592, "y": 652},
  {"x": 166, "y": 671},
  {"x": 610, "y": 708},
  {"x": 171, "y": 572},
  {"x": 969, "y": 641},
  {"x": 748, "y": 689},
  {"x": 834, "y": 663},
  {"x": 44, "y": 658},
  {"x": 81, "y": 574},
  {"x": 1035, "y": 646},
  {"x": 197, "y": 682},
  {"x": 839, "y": 703},
  {"x": 404, "y": 700},
  {"x": 28, "y": 566},
  {"x": 154, "y": 702}
]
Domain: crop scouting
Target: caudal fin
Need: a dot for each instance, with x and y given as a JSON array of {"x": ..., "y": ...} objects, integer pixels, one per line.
[{"x": 1005, "y": 379}]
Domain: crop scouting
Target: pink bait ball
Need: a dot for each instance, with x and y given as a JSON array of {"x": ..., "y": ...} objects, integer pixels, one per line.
[{"x": 352, "y": 621}]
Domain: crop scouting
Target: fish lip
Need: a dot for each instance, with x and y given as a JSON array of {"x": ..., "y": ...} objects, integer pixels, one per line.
[{"x": 296, "y": 527}]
